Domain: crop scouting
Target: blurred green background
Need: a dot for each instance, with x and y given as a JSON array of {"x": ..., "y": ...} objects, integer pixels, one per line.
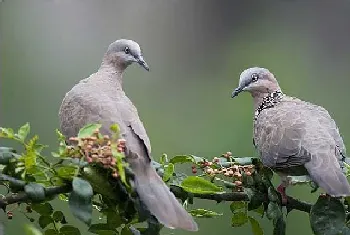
[{"x": 196, "y": 50}]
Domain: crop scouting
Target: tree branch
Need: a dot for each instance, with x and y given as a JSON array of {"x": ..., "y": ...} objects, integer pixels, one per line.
[
  {"x": 24, "y": 197},
  {"x": 293, "y": 204}
]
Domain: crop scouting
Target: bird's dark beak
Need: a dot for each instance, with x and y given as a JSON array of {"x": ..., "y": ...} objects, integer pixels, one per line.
[
  {"x": 142, "y": 62},
  {"x": 237, "y": 91}
]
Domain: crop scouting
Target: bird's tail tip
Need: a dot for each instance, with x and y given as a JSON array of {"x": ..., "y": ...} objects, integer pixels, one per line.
[{"x": 162, "y": 203}]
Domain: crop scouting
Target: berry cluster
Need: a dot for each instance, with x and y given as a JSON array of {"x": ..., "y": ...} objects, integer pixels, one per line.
[
  {"x": 218, "y": 167},
  {"x": 96, "y": 149}
]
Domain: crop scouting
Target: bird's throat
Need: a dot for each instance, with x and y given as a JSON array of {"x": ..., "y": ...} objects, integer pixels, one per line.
[
  {"x": 115, "y": 75},
  {"x": 267, "y": 101}
]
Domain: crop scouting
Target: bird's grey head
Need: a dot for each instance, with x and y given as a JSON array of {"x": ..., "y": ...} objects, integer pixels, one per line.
[
  {"x": 256, "y": 81},
  {"x": 124, "y": 52}
]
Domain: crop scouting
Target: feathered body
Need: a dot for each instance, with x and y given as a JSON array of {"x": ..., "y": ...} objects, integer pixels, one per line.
[
  {"x": 295, "y": 137},
  {"x": 101, "y": 99}
]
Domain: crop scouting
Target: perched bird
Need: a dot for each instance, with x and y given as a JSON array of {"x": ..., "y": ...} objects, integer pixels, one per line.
[
  {"x": 100, "y": 99},
  {"x": 294, "y": 137}
]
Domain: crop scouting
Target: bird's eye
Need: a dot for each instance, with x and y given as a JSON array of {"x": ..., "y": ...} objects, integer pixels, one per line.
[
  {"x": 255, "y": 77},
  {"x": 127, "y": 50}
]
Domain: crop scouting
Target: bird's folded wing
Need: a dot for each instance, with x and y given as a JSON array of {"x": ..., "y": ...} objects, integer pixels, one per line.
[{"x": 279, "y": 136}]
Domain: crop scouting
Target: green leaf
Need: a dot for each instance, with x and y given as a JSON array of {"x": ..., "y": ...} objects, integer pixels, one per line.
[
  {"x": 247, "y": 180},
  {"x": 168, "y": 171},
  {"x": 67, "y": 172},
  {"x": 273, "y": 211},
  {"x": 260, "y": 210},
  {"x": 113, "y": 219},
  {"x": 203, "y": 213},
  {"x": 58, "y": 216},
  {"x": 7, "y": 133},
  {"x": 115, "y": 128},
  {"x": 256, "y": 199},
  {"x": 273, "y": 197},
  {"x": 98, "y": 182},
  {"x": 31, "y": 230},
  {"x": 266, "y": 173},
  {"x": 279, "y": 226},
  {"x": 239, "y": 205},
  {"x": 19, "y": 170},
  {"x": 32, "y": 150},
  {"x": 62, "y": 144},
  {"x": 327, "y": 216},
  {"x": 56, "y": 155},
  {"x": 34, "y": 146},
  {"x": 69, "y": 230},
  {"x": 88, "y": 130},
  {"x": 51, "y": 232},
  {"x": 182, "y": 159},
  {"x": 126, "y": 231},
  {"x": 239, "y": 219},
  {"x": 45, "y": 220},
  {"x": 163, "y": 159},
  {"x": 37, "y": 174},
  {"x": 36, "y": 192},
  {"x": 101, "y": 228},
  {"x": 42, "y": 208},
  {"x": 63, "y": 197},
  {"x": 195, "y": 184},
  {"x": 23, "y": 132},
  {"x": 256, "y": 229},
  {"x": 60, "y": 136},
  {"x": 29, "y": 159},
  {"x": 196, "y": 159},
  {"x": 119, "y": 162},
  {"x": 80, "y": 200}
]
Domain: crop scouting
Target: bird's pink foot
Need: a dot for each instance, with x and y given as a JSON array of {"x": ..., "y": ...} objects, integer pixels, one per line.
[{"x": 282, "y": 190}]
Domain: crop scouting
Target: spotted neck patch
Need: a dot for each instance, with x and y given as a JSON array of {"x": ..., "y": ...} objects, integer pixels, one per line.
[{"x": 269, "y": 101}]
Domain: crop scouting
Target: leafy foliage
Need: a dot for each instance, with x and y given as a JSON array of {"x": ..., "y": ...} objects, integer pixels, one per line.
[
  {"x": 328, "y": 216},
  {"x": 80, "y": 200},
  {"x": 90, "y": 172},
  {"x": 195, "y": 184},
  {"x": 203, "y": 213}
]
